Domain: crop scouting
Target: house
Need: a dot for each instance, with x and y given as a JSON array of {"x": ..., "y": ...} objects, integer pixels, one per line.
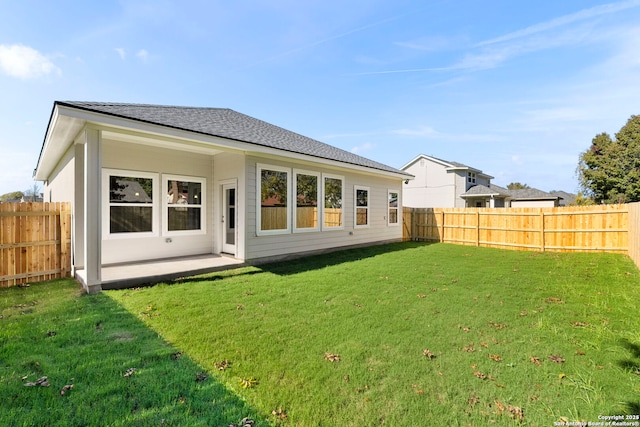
[
  {"x": 567, "y": 199},
  {"x": 442, "y": 184},
  {"x": 533, "y": 198},
  {"x": 149, "y": 182}
]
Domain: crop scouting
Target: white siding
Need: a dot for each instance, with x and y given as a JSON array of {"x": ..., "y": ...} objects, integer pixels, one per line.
[
  {"x": 433, "y": 186},
  {"x": 273, "y": 246},
  {"x": 145, "y": 158},
  {"x": 60, "y": 186}
]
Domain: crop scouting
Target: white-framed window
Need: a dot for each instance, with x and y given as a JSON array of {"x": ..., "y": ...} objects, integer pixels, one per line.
[
  {"x": 130, "y": 201},
  {"x": 393, "y": 216},
  {"x": 306, "y": 213},
  {"x": 333, "y": 202},
  {"x": 184, "y": 205},
  {"x": 471, "y": 177},
  {"x": 273, "y": 206},
  {"x": 361, "y": 206}
]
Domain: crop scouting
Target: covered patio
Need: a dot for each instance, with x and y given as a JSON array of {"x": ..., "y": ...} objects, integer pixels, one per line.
[{"x": 126, "y": 275}]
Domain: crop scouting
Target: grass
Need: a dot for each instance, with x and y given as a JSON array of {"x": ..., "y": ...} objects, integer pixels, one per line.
[
  {"x": 90, "y": 343},
  {"x": 401, "y": 335}
]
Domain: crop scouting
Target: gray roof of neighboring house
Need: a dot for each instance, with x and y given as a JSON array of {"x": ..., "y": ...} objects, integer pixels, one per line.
[
  {"x": 227, "y": 123},
  {"x": 568, "y": 198},
  {"x": 531, "y": 193},
  {"x": 483, "y": 190}
]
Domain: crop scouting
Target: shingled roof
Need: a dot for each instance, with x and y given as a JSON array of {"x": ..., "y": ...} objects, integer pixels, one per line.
[{"x": 227, "y": 123}]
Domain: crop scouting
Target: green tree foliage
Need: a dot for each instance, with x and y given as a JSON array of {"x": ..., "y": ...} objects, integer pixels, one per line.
[
  {"x": 11, "y": 196},
  {"x": 517, "y": 186},
  {"x": 609, "y": 171}
]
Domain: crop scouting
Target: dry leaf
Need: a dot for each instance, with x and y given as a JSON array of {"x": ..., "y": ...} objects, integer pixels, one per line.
[
  {"x": 422, "y": 295},
  {"x": 222, "y": 365},
  {"x": 201, "y": 376},
  {"x": 248, "y": 382},
  {"x": 579, "y": 324},
  {"x": 480, "y": 375},
  {"x": 556, "y": 359},
  {"x": 129, "y": 372},
  {"x": 428, "y": 353},
  {"x": 42, "y": 382},
  {"x": 495, "y": 357},
  {"x": 332, "y": 357},
  {"x": 580, "y": 353},
  {"x": 279, "y": 413},
  {"x": 554, "y": 300},
  {"x": 469, "y": 349},
  {"x": 65, "y": 389},
  {"x": 535, "y": 360}
]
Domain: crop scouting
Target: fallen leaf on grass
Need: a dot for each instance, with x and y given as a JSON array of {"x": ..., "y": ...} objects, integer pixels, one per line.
[
  {"x": 578, "y": 324},
  {"x": 129, "y": 372},
  {"x": 245, "y": 422},
  {"x": 535, "y": 360},
  {"x": 248, "y": 382},
  {"x": 65, "y": 389},
  {"x": 556, "y": 359},
  {"x": 421, "y": 295},
  {"x": 580, "y": 353},
  {"x": 51, "y": 333},
  {"x": 42, "y": 382},
  {"x": 495, "y": 357},
  {"x": 480, "y": 375},
  {"x": 554, "y": 300},
  {"x": 177, "y": 355},
  {"x": 222, "y": 365},
  {"x": 428, "y": 354},
  {"x": 201, "y": 376},
  {"x": 498, "y": 325},
  {"x": 469, "y": 348},
  {"x": 279, "y": 413},
  {"x": 332, "y": 357}
]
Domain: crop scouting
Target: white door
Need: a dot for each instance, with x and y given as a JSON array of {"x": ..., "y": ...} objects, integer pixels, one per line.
[{"x": 229, "y": 218}]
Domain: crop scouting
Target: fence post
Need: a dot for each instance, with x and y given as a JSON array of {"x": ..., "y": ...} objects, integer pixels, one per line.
[
  {"x": 442, "y": 227},
  {"x": 477, "y": 228},
  {"x": 542, "y": 243}
]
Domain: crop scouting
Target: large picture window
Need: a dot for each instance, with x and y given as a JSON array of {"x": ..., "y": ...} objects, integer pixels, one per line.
[
  {"x": 273, "y": 204},
  {"x": 130, "y": 200},
  {"x": 184, "y": 204},
  {"x": 333, "y": 202},
  {"x": 393, "y": 218},
  {"x": 307, "y": 189},
  {"x": 361, "y": 205}
]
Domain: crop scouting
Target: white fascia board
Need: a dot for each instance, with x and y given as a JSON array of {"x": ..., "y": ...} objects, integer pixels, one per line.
[{"x": 424, "y": 156}]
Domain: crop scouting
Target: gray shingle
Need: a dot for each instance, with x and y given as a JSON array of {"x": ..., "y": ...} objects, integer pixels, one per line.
[{"x": 227, "y": 123}]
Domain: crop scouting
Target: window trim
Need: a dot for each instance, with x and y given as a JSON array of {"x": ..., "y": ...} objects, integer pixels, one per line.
[
  {"x": 259, "y": 168},
  {"x": 294, "y": 205},
  {"x": 165, "y": 205},
  {"x": 357, "y": 188},
  {"x": 106, "y": 204},
  {"x": 341, "y": 178},
  {"x": 397, "y": 209}
]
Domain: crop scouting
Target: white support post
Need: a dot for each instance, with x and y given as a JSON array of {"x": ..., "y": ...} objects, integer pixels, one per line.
[{"x": 92, "y": 210}]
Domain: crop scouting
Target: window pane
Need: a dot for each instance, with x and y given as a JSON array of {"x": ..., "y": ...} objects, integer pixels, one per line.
[
  {"x": 184, "y": 192},
  {"x": 361, "y": 216},
  {"x": 362, "y": 198},
  {"x": 393, "y": 200},
  {"x": 184, "y": 218},
  {"x": 124, "y": 189},
  {"x": 393, "y": 216},
  {"x": 130, "y": 219},
  {"x": 273, "y": 200},
  {"x": 332, "y": 202},
  {"x": 306, "y": 201}
]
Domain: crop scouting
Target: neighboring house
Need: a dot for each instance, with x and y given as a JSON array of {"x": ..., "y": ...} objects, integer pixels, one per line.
[
  {"x": 567, "y": 199},
  {"x": 443, "y": 184},
  {"x": 151, "y": 182},
  {"x": 533, "y": 198},
  {"x": 482, "y": 196}
]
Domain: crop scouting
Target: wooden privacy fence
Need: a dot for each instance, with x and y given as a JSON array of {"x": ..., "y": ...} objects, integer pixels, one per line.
[
  {"x": 35, "y": 242},
  {"x": 611, "y": 228}
]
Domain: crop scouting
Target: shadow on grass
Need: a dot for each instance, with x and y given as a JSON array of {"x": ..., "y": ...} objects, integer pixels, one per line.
[
  {"x": 632, "y": 365},
  {"x": 122, "y": 372}
]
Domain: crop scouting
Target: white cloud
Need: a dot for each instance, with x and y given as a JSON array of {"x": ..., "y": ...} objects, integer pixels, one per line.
[
  {"x": 564, "y": 20},
  {"x": 121, "y": 52},
  {"x": 25, "y": 62},
  {"x": 143, "y": 55},
  {"x": 362, "y": 148}
]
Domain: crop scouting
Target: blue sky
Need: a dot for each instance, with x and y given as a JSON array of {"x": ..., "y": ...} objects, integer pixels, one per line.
[{"x": 515, "y": 88}]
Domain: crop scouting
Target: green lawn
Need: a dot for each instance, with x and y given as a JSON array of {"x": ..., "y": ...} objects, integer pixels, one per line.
[{"x": 400, "y": 335}]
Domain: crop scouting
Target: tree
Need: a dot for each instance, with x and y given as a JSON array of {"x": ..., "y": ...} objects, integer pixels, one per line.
[
  {"x": 14, "y": 195},
  {"x": 517, "y": 186},
  {"x": 32, "y": 194},
  {"x": 609, "y": 171}
]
